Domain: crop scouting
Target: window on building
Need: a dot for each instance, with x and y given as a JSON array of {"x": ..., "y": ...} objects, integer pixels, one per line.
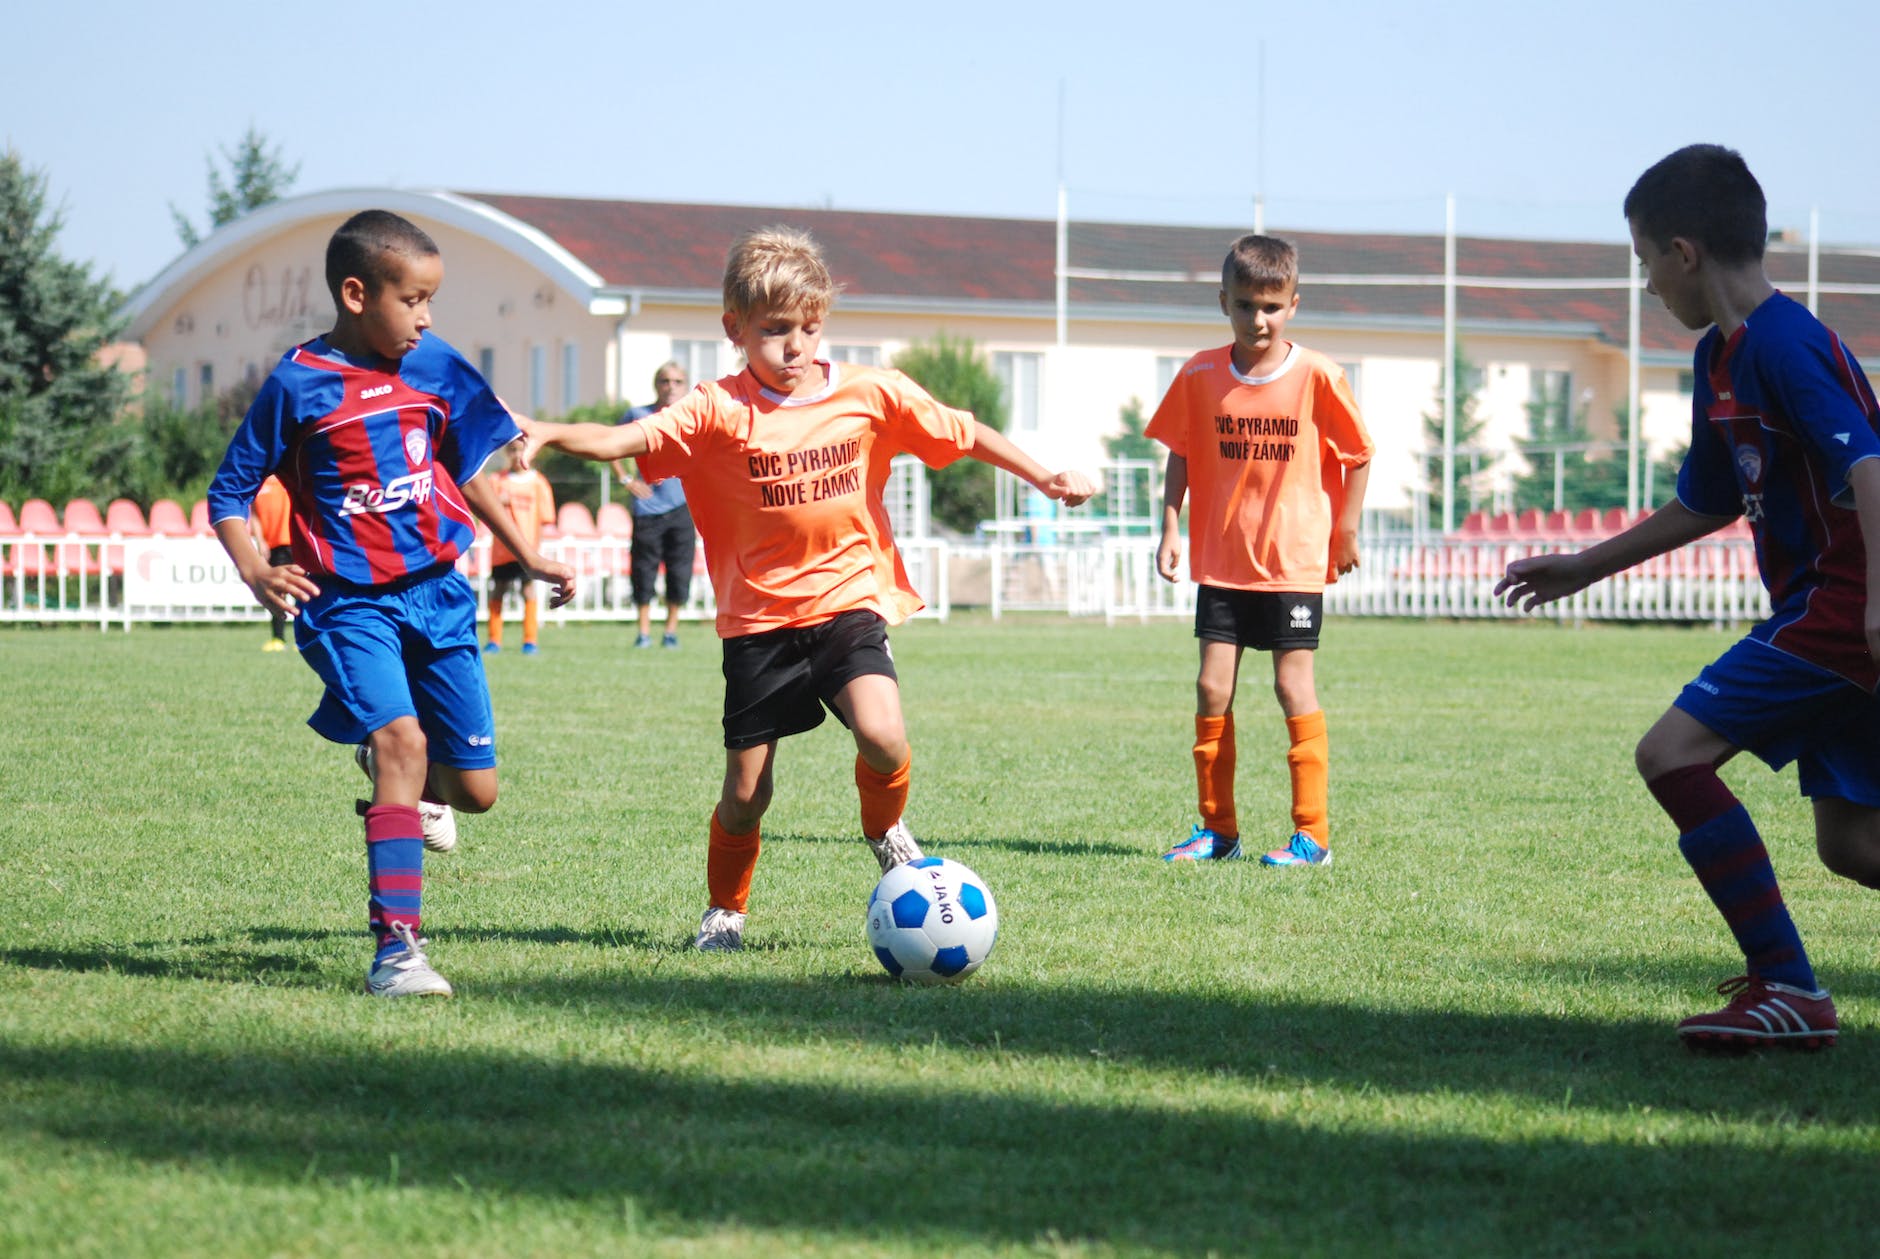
[
  {"x": 1550, "y": 404},
  {"x": 179, "y": 387},
  {"x": 205, "y": 383},
  {"x": 1019, "y": 375},
  {"x": 1166, "y": 368},
  {"x": 570, "y": 375},
  {"x": 1687, "y": 384},
  {"x": 699, "y": 358},
  {"x": 538, "y": 379},
  {"x": 865, "y": 355},
  {"x": 486, "y": 363},
  {"x": 1351, "y": 376}
]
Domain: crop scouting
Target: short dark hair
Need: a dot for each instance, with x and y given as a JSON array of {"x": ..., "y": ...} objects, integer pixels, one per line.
[
  {"x": 365, "y": 244},
  {"x": 1265, "y": 262},
  {"x": 1704, "y": 193}
]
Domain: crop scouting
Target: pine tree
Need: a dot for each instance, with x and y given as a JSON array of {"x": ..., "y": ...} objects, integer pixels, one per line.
[
  {"x": 56, "y": 399},
  {"x": 1473, "y": 459},
  {"x": 257, "y": 176},
  {"x": 954, "y": 372}
]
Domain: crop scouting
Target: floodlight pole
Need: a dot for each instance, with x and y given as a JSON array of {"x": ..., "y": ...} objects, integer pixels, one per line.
[
  {"x": 1634, "y": 421},
  {"x": 1449, "y": 363},
  {"x": 1063, "y": 234},
  {"x": 1814, "y": 261}
]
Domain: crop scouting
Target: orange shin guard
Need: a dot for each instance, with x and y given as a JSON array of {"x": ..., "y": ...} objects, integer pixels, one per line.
[
  {"x": 1308, "y": 762},
  {"x": 729, "y": 861},
  {"x": 1214, "y": 774}
]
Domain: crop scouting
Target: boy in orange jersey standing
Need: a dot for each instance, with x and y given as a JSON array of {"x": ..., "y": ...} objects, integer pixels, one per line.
[
  {"x": 784, "y": 465},
  {"x": 1265, "y": 436},
  {"x": 268, "y": 521},
  {"x": 526, "y": 495}
]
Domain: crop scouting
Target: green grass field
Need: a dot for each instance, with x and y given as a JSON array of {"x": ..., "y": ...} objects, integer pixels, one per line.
[{"x": 1455, "y": 1041}]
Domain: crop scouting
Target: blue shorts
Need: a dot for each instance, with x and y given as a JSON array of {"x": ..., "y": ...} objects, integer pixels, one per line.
[
  {"x": 410, "y": 651},
  {"x": 1784, "y": 709}
]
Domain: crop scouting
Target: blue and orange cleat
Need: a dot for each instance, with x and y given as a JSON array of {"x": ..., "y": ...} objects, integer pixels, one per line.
[
  {"x": 1203, "y": 844},
  {"x": 1300, "y": 850}
]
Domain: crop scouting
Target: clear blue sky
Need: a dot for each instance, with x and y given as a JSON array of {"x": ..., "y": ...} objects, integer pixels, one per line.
[{"x": 1536, "y": 116}]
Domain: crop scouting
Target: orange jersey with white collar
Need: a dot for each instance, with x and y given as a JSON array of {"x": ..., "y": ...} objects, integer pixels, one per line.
[
  {"x": 786, "y": 491},
  {"x": 1266, "y": 466}
]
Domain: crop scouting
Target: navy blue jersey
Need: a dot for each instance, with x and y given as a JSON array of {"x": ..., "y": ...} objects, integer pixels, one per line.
[
  {"x": 372, "y": 455},
  {"x": 1782, "y": 412}
]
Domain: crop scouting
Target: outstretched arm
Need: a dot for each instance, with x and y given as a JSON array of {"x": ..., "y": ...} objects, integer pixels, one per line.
[
  {"x": 1542, "y": 579},
  {"x": 597, "y": 443},
  {"x": 481, "y": 494},
  {"x": 991, "y": 446}
]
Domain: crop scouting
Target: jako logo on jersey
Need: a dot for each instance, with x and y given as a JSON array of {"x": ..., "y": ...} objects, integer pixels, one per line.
[
  {"x": 377, "y": 391},
  {"x": 1301, "y": 616},
  {"x": 362, "y": 497},
  {"x": 415, "y": 445}
]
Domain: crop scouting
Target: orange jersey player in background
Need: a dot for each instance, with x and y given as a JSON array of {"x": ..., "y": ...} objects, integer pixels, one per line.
[
  {"x": 1265, "y": 441},
  {"x": 530, "y": 501},
  {"x": 270, "y": 521},
  {"x": 784, "y": 465}
]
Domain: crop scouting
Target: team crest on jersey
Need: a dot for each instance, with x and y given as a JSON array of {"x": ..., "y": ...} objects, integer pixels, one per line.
[
  {"x": 1749, "y": 462},
  {"x": 416, "y": 445}
]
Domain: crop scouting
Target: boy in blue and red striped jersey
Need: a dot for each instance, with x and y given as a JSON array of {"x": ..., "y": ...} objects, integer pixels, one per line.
[
  {"x": 378, "y": 430},
  {"x": 1783, "y": 433}
]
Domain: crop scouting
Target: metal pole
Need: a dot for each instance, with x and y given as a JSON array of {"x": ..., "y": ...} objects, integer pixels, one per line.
[
  {"x": 1063, "y": 234},
  {"x": 1814, "y": 261},
  {"x": 1449, "y": 363},
  {"x": 1634, "y": 425}
]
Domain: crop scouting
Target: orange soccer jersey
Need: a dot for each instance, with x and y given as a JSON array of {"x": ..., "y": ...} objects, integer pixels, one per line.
[
  {"x": 1266, "y": 466},
  {"x": 786, "y": 491},
  {"x": 272, "y": 513},
  {"x": 531, "y": 505}
]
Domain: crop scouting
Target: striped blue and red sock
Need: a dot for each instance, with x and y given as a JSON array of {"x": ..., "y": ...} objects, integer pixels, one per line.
[
  {"x": 394, "y": 872},
  {"x": 1724, "y": 849}
]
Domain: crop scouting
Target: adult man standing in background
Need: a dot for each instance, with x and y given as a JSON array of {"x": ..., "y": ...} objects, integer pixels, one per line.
[{"x": 662, "y": 526}]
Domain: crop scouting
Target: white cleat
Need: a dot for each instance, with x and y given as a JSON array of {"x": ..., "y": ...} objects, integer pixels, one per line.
[
  {"x": 895, "y": 848},
  {"x": 437, "y": 821},
  {"x": 408, "y": 973},
  {"x": 720, "y": 931}
]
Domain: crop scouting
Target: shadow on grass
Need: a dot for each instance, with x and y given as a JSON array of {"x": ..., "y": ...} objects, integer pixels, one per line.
[{"x": 932, "y": 1167}]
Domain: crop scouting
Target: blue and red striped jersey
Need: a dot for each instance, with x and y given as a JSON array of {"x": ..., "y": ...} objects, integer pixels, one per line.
[
  {"x": 1782, "y": 412},
  {"x": 372, "y": 455}
]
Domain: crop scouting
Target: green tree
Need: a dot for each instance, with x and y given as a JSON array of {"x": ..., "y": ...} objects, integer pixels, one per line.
[
  {"x": 954, "y": 371},
  {"x": 1474, "y": 461},
  {"x": 256, "y": 176},
  {"x": 1590, "y": 472},
  {"x": 56, "y": 399},
  {"x": 1140, "y": 490}
]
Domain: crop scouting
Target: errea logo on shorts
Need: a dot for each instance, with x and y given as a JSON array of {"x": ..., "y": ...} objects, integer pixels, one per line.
[
  {"x": 364, "y": 497},
  {"x": 377, "y": 391},
  {"x": 1301, "y": 616}
]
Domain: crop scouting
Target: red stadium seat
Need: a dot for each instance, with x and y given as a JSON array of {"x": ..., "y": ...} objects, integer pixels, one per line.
[
  {"x": 167, "y": 518},
  {"x": 575, "y": 521},
  {"x": 1614, "y": 521},
  {"x": 1586, "y": 522},
  {"x": 1557, "y": 524},
  {"x": 1474, "y": 523},
  {"x": 37, "y": 516},
  {"x": 1530, "y": 523},
  {"x": 125, "y": 518},
  {"x": 82, "y": 518},
  {"x": 614, "y": 521},
  {"x": 199, "y": 517}
]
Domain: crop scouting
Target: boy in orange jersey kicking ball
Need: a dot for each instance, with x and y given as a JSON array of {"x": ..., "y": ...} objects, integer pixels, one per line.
[
  {"x": 1265, "y": 435},
  {"x": 783, "y": 465}
]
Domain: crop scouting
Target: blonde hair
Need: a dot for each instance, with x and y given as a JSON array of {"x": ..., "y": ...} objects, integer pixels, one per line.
[
  {"x": 1261, "y": 262},
  {"x": 777, "y": 268}
]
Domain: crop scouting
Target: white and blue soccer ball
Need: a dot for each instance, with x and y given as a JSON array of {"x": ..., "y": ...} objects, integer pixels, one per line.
[{"x": 932, "y": 921}]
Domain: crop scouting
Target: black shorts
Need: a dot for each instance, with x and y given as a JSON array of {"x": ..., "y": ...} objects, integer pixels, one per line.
[
  {"x": 279, "y": 555},
  {"x": 503, "y": 574},
  {"x": 666, "y": 539},
  {"x": 778, "y": 683},
  {"x": 1266, "y": 620}
]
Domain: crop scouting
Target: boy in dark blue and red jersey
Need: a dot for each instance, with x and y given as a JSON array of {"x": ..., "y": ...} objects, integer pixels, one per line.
[
  {"x": 1783, "y": 433},
  {"x": 378, "y": 431}
]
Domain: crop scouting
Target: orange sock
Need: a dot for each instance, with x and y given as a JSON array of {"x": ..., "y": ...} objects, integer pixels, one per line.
[
  {"x": 729, "y": 862},
  {"x": 1214, "y": 774},
  {"x": 1308, "y": 761},
  {"x": 496, "y": 619},
  {"x": 531, "y": 620},
  {"x": 884, "y": 796}
]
